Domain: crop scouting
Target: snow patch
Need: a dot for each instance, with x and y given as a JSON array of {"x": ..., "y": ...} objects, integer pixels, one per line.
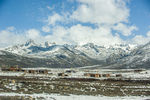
[{"x": 76, "y": 97}]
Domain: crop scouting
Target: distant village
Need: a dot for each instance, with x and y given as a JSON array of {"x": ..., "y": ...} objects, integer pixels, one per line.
[{"x": 68, "y": 73}]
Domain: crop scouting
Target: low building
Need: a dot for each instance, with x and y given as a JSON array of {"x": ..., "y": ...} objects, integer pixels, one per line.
[
  {"x": 138, "y": 70},
  {"x": 118, "y": 75},
  {"x": 31, "y": 71},
  {"x": 87, "y": 74},
  {"x": 70, "y": 71},
  {"x": 92, "y": 75},
  {"x": 13, "y": 69},
  {"x": 34, "y": 71},
  {"x": 62, "y": 74},
  {"x": 5, "y": 69},
  {"x": 106, "y": 75},
  {"x": 43, "y": 71}
]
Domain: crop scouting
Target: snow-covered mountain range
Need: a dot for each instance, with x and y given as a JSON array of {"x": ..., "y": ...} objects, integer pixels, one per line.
[
  {"x": 52, "y": 55},
  {"x": 48, "y": 50}
]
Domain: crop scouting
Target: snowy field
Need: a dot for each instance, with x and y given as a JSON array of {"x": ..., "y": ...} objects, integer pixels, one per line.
[
  {"x": 74, "y": 97},
  {"x": 130, "y": 86}
]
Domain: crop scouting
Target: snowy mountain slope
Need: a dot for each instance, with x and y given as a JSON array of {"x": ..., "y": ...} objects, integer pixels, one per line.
[
  {"x": 48, "y": 50},
  {"x": 41, "y": 55},
  {"x": 59, "y": 61},
  {"x": 54, "y": 55},
  {"x": 138, "y": 58},
  {"x": 102, "y": 52},
  {"x": 45, "y": 50}
]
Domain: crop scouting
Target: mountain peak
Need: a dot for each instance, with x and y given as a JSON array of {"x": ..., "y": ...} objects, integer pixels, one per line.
[
  {"x": 30, "y": 42},
  {"x": 47, "y": 44},
  {"x": 89, "y": 45}
]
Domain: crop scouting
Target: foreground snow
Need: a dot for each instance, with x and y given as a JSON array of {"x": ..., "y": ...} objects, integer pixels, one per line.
[{"x": 76, "y": 97}]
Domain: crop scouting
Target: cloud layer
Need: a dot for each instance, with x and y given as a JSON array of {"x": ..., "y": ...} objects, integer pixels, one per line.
[
  {"x": 96, "y": 21},
  {"x": 101, "y": 11},
  {"x": 106, "y": 16},
  {"x": 139, "y": 39}
]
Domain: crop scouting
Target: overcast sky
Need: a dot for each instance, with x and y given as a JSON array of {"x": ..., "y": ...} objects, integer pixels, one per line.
[{"x": 103, "y": 22}]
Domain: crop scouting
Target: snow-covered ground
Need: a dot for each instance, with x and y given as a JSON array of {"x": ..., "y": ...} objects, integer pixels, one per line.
[
  {"x": 10, "y": 73},
  {"x": 79, "y": 73},
  {"x": 144, "y": 75},
  {"x": 76, "y": 97}
]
